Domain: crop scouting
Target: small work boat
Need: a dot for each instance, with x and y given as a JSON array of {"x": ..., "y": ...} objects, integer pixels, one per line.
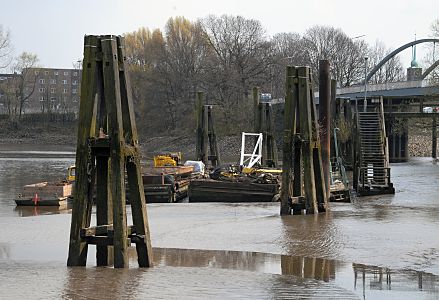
[{"x": 45, "y": 194}]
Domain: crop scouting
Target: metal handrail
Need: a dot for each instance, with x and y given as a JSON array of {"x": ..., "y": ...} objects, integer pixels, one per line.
[{"x": 363, "y": 170}]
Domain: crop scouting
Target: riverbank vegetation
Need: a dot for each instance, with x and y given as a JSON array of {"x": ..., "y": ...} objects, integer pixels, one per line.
[{"x": 223, "y": 56}]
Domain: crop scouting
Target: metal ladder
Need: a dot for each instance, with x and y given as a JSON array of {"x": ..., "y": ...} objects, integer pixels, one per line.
[{"x": 373, "y": 168}]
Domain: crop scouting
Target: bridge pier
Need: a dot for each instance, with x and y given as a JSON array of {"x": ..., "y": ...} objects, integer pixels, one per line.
[
  {"x": 398, "y": 142},
  {"x": 434, "y": 138}
]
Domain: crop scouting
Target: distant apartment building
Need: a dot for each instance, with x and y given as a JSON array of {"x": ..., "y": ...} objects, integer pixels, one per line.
[
  {"x": 56, "y": 90},
  {"x": 50, "y": 90}
]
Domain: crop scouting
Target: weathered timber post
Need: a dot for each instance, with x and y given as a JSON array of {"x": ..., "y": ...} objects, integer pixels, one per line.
[
  {"x": 256, "y": 114},
  {"x": 205, "y": 126},
  {"x": 301, "y": 148},
  {"x": 263, "y": 128},
  {"x": 272, "y": 157},
  {"x": 434, "y": 138},
  {"x": 81, "y": 212},
  {"x": 213, "y": 146},
  {"x": 199, "y": 104},
  {"x": 264, "y": 124},
  {"x": 322, "y": 190},
  {"x": 104, "y": 202},
  {"x": 206, "y": 137},
  {"x": 289, "y": 130},
  {"x": 333, "y": 103},
  {"x": 106, "y": 98},
  {"x": 325, "y": 118},
  {"x": 140, "y": 232},
  {"x": 306, "y": 130}
]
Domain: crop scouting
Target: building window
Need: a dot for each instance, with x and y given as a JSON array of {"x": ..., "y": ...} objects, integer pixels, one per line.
[
  {"x": 75, "y": 73},
  {"x": 41, "y": 90},
  {"x": 46, "y": 72},
  {"x": 36, "y": 72},
  {"x": 53, "y": 81},
  {"x": 74, "y": 82},
  {"x": 52, "y": 90},
  {"x": 74, "y": 91},
  {"x": 41, "y": 81},
  {"x": 64, "y": 91},
  {"x": 66, "y": 73},
  {"x": 55, "y": 73},
  {"x": 75, "y": 99},
  {"x": 64, "y": 81},
  {"x": 41, "y": 98},
  {"x": 52, "y": 99}
]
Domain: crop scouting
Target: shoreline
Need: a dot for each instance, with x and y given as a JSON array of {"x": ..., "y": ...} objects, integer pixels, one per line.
[{"x": 419, "y": 145}]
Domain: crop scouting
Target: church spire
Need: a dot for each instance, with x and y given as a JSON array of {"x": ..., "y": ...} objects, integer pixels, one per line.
[{"x": 414, "y": 63}]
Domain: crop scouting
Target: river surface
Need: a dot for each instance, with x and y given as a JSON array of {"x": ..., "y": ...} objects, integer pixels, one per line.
[{"x": 381, "y": 247}]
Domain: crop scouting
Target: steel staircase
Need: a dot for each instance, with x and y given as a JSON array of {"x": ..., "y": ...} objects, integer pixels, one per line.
[{"x": 372, "y": 163}]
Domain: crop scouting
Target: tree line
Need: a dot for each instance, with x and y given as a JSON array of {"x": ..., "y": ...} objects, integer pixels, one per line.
[
  {"x": 225, "y": 56},
  {"x": 19, "y": 85}
]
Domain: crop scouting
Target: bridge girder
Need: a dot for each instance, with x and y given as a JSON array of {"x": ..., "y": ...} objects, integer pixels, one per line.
[{"x": 430, "y": 69}]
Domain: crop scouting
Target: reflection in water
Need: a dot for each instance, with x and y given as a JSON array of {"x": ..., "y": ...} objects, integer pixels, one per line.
[
  {"x": 189, "y": 274},
  {"x": 308, "y": 267},
  {"x": 309, "y": 235},
  {"x": 84, "y": 283},
  {"x": 31, "y": 211},
  {"x": 377, "y": 278},
  {"x": 326, "y": 270}
]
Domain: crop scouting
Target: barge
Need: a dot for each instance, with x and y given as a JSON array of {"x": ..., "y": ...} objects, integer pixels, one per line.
[{"x": 45, "y": 194}]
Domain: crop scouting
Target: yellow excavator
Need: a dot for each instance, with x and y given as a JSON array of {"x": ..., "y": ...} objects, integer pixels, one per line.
[
  {"x": 170, "y": 159},
  {"x": 71, "y": 173}
]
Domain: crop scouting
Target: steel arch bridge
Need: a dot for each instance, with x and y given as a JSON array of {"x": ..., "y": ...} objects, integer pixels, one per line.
[{"x": 395, "y": 52}]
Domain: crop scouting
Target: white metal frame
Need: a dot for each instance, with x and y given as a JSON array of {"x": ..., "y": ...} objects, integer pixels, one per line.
[{"x": 256, "y": 156}]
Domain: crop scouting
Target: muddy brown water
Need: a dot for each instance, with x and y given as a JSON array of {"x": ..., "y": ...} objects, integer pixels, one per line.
[{"x": 383, "y": 247}]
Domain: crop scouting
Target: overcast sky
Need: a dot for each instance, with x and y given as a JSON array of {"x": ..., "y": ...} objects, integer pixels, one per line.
[{"x": 54, "y": 29}]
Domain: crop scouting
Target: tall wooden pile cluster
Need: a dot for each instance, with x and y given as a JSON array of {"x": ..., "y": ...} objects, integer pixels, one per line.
[
  {"x": 303, "y": 183},
  {"x": 206, "y": 137},
  {"x": 264, "y": 124},
  {"x": 107, "y": 146}
]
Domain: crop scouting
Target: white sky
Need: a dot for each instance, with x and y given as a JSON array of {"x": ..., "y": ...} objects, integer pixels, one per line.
[{"x": 54, "y": 29}]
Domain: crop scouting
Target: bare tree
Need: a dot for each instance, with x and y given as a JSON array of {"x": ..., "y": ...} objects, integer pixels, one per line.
[
  {"x": 345, "y": 55},
  {"x": 5, "y": 48},
  {"x": 25, "y": 65},
  {"x": 143, "y": 51},
  {"x": 390, "y": 71},
  {"x": 8, "y": 93},
  {"x": 435, "y": 28},
  {"x": 243, "y": 56},
  {"x": 288, "y": 50},
  {"x": 226, "y": 56},
  {"x": 183, "y": 65},
  {"x": 432, "y": 56}
]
